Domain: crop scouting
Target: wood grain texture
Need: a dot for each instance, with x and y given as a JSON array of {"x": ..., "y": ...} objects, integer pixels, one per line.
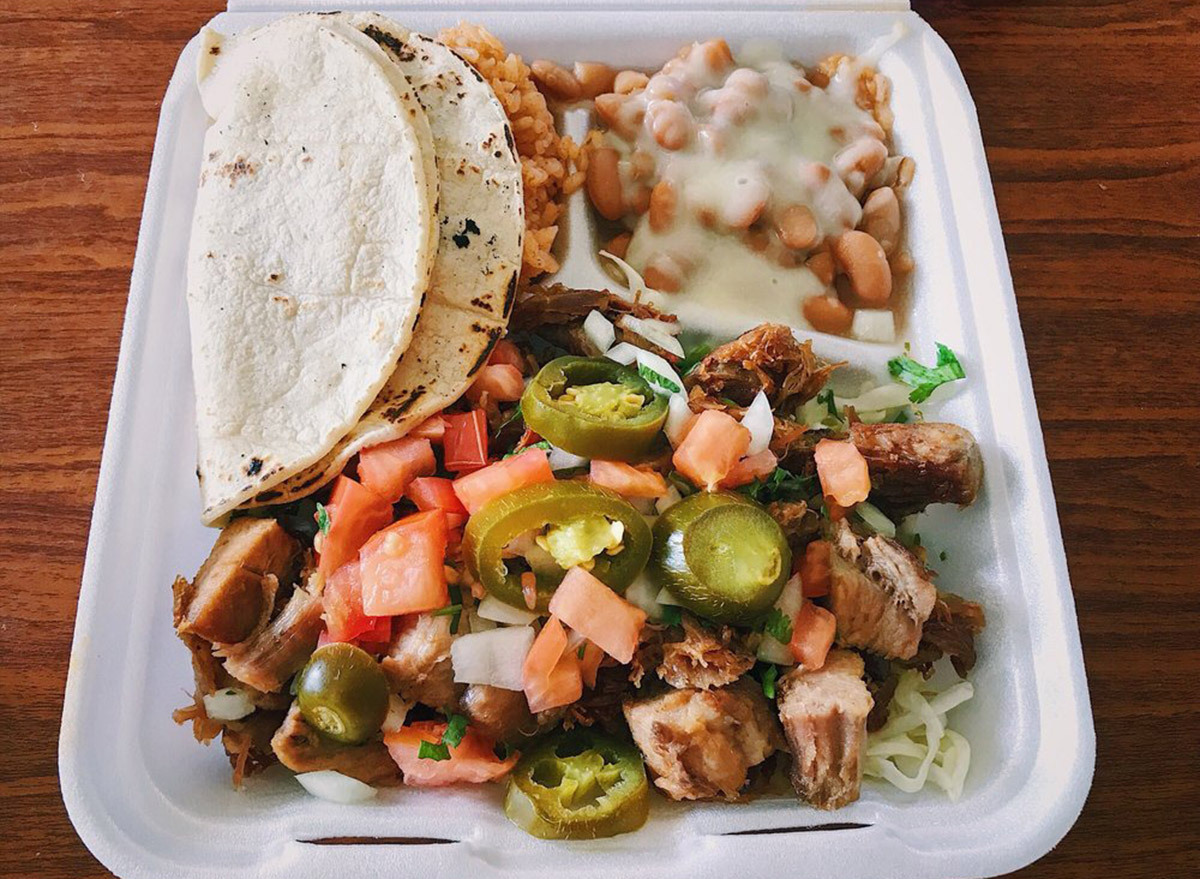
[{"x": 1092, "y": 127}]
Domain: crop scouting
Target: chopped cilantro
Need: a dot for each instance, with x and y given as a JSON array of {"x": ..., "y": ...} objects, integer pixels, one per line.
[
  {"x": 582, "y": 650},
  {"x": 769, "y": 675},
  {"x": 322, "y": 518},
  {"x": 901, "y": 417},
  {"x": 672, "y": 615},
  {"x": 658, "y": 379},
  {"x": 778, "y": 626},
  {"x": 780, "y": 485},
  {"x": 456, "y": 728},
  {"x": 924, "y": 380},
  {"x": 826, "y": 398},
  {"x": 943, "y": 555},
  {"x": 431, "y": 751},
  {"x": 540, "y": 444},
  {"x": 446, "y": 611}
]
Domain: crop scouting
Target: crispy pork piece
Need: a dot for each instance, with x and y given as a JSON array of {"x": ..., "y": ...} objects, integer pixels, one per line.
[
  {"x": 824, "y": 715},
  {"x": 879, "y": 592},
  {"x": 767, "y": 358},
  {"x": 502, "y": 715},
  {"x": 268, "y": 659},
  {"x": 538, "y": 306},
  {"x": 915, "y": 465},
  {"x": 800, "y": 524},
  {"x": 704, "y": 658},
  {"x": 702, "y": 743},
  {"x": 234, "y": 590},
  {"x": 301, "y": 748},
  {"x": 418, "y": 661},
  {"x": 950, "y": 631}
]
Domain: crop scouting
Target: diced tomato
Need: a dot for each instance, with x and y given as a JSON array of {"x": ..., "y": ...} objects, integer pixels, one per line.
[
  {"x": 812, "y": 635},
  {"x": 436, "y": 493},
  {"x": 528, "y": 438},
  {"x": 814, "y": 570},
  {"x": 387, "y": 469},
  {"x": 432, "y": 428},
  {"x": 501, "y": 382},
  {"x": 551, "y": 675},
  {"x": 380, "y": 633},
  {"x": 472, "y": 760},
  {"x": 342, "y": 604},
  {"x": 750, "y": 468},
  {"x": 711, "y": 448},
  {"x": 403, "y": 566},
  {"x": 627, "y": 480},
  {"x": 843, "y": 472},
  {"x": 355, "y": 513},
  {"x": 476, "y": 489},
  {"x": 599, "y": 614},
  {"x": 465, "y": 444},
  {"x": 506, "y": 352}
]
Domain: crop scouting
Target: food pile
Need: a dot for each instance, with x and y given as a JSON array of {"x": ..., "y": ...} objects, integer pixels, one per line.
[
  {"x": 516, "y": 531},
  {"x": 760, "y": 175}
]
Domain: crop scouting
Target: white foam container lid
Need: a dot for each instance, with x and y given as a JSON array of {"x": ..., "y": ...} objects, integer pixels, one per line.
[{"x": 149, "y": 802}]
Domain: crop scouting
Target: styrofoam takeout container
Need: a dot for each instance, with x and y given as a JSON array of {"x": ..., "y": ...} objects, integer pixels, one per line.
[{"x": 149, "y": 802}]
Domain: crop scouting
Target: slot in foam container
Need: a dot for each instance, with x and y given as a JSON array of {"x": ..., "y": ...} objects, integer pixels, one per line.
[{"x": 149, "y": 802}]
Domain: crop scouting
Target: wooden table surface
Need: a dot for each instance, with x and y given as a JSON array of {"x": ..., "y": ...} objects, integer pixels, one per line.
[{"x": 1092, "y": 125}]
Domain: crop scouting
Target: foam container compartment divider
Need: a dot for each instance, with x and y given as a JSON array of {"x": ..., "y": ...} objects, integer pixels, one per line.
[{"x": 149, "y": 802}]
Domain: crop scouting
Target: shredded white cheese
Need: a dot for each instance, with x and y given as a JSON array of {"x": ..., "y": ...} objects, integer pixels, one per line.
[{"x": 916, "y": 746}]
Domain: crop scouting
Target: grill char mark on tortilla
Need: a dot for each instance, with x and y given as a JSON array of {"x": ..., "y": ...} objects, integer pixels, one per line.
[{"x": 494, "y": 334}]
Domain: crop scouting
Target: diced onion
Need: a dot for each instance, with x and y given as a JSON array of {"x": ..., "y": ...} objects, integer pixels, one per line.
[
  {"x": 622, "y": 352},
  {"x": 879, "y": 399},
  {"x": 641, "y": 593},
  {"x": 679, "y": 413},
  {"x": 668, "y": 500},
  {"x": 666, "y": 597},
  {"x": 874, "y": 519},
  {"x": 397, "y": 713},
  {"x": 873, "y": 325},
  {"x": 656, "y": 332},
  {"x": 760, "y": 421},
  {"x": 658, "y": 372},
  {"x": 326, "y": 784},
  {"x": 634, "y": 282},
  {"x": 561, "y": 459},
  {"x": 599, "y": 330},
  {"x": 228, "y": 704},
  {"x": 495, "y": 657},
  {"x": 915, "y": 746},
  {"x": 492, "y": 608},
  {"x": 788, "y": 603}
]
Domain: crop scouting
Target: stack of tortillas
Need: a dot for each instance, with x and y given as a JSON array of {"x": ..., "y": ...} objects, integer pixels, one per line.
[{"x": 355, "y": 247}]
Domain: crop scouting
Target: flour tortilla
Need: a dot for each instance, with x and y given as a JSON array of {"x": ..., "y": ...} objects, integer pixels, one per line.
[
  {"x": 312, "y": 243},
  {"x": 482, "y": 223}
]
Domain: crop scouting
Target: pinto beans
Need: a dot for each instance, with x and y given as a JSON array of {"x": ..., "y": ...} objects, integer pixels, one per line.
[
  {"x": 827, "y": 314},
  {"x": 594, "y": 78},
  {"x": 639, "y": 201},
  {"x": 859, "y": 162},
  {"x": 716, "y": 55},
  {"x": 821, "y": 265},
  {"x": 608, "y": 108},
  {"x": 866, "y": 267},
  {"x": 556, "y": 81},
  {"x": 670, "y": 123},
  {"x": 629, "y": 81},
  {"x": 797, "y": 227},
  {"x": 604, "y": 183},
  {"x": 664, "y": 273},
  {"x": 662, "y": 206},
  {"x": 618, "y": 245},
  {"x": 881, "y": 218}
]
